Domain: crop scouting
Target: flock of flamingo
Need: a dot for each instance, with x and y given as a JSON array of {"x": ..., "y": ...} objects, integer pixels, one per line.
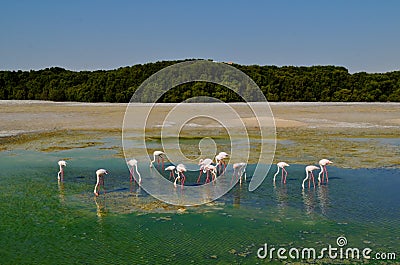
[
  {"x": 309, "y": 172},
  {"x": 207, "y": 167}
]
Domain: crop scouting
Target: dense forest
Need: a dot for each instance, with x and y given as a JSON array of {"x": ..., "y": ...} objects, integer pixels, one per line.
[{"x": 287, "y": 83}]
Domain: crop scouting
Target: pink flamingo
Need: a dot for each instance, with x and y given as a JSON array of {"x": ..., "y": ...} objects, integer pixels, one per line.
[
  {"x": 324, "y": 171},
  {"x": 158, "y": 154},
  {"x": 171, "y": 169},
  {"x": 62, "y": 164},
  {"x": 210, "y": 169},
  {"x": 238, "y": 170},
  {"x": 133, "y": 164},
  {"x": 203, "y": 163},
  {"x": 179, "y": 171},
  {"x": 279, "y": 166},
  {"x": 309, "y": 169},
  {"x": 220, "y": 160},
  {"x": 100, "y": 181}
]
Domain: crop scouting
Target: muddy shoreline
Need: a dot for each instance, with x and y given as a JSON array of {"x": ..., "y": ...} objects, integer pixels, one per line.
[{"x": 349, "y": 133}]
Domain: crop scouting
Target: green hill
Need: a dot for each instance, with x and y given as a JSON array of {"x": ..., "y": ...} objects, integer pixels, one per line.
[{"x": 287, "y": 83}]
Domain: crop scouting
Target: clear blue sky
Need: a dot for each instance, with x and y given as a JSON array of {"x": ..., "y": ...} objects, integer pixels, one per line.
[{"x": 361, "y": 35}]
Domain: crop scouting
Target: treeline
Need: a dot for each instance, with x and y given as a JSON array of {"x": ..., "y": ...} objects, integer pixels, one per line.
[{"x": 288, "y": 83}]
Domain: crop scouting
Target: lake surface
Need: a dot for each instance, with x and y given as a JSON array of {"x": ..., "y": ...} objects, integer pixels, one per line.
[{"x": 46, "y": 222}]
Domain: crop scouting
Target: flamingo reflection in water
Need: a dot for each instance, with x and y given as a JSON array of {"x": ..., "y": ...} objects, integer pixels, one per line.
[{"x": 309, "y": 200}]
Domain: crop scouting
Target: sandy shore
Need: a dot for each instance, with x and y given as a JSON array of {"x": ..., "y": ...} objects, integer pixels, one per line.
[
  {"x": 312, "y": 130},
  {"x": 36, "y": 116}
]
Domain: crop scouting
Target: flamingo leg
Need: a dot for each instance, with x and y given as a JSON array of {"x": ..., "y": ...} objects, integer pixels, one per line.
[
  {"x": 162, "y": 161},
  {"x": 326, "y": 172},
  {"x": 282, "y": 175},
  {"x": 104, "y": 188},
  {"x": 201, "y": 172},
  {"x": 313, "y": 180},
  {"x": 309, "y": 179},
  {"x": 183, "y": 179},
  {"x": 224, "y": 167},
  {"x": 284, "y": 181},
  {"x": 286, "y": 174},
  {"x": 208, "y": 176},
  {"x": 130, "y": 174}
]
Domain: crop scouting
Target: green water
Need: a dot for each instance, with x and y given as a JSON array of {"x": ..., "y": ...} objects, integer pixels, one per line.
[{"x": 44, "y": 222}]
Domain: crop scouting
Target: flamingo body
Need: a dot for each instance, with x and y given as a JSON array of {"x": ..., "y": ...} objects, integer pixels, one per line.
[
  {"x": 133, "y": 164},
  {"x": 100, "y": 180},
  {"x": 158, "y": 155},
  {"x": 324, "y": 171},
  {"x": 219, "y": 160},
  {"x": 211, "y": 169},
  {"x": 203, "y": 163},
  {"x": 281, "y": 165},
  {"x": 309, "y": 170},
  {"x": 179, "y": 171},
  {"x": 60, "y": 174},
  {"x": 171, "y": 169},
  {"x": 238, "y": 170}
]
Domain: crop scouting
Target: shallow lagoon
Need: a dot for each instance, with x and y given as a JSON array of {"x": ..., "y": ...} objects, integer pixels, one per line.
[{"x": 44, "y": 222}]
